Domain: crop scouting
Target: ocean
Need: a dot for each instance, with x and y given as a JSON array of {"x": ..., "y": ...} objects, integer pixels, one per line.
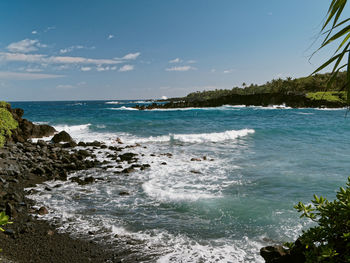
[{"x": 222, "y": 183}]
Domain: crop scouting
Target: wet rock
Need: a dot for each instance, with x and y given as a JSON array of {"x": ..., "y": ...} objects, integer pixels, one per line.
[
  {"x": 43, "y": 211},
  {"x": 145, "y": 166},
  {"x": 62, "y": 136},
  {"x": 89, "y": 180},
  {"x": 94, "y": 143},
  {"x": 70, "y": 144},
  {"x": 123, "y": 193},
  {"x": 84, "y": 153},
  {"x": 195, "y": 160},
  {"x": 128, "y": 170},
  {"x": 41, "y": 143},
  {"x": 10, "y": 210},
  {"x": 38, "y": 171},
  {"x": 127, "y": 156},
  {"x": 163, "y": 163},
  {"x": 195, "y": 172},
  {"x": 83, "y": 144},
  {"x": 9, "y": 232},
  {"x": 118, "y": 140}
]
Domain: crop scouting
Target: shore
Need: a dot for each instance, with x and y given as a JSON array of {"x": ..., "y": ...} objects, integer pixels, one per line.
[
  {"x": 29, "y": 239},
  {"x": 263, "y": 99}
]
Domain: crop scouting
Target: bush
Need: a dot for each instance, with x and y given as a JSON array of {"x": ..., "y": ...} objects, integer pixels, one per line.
[
  {"x": 329, "y": 241},
  {"x": 4, "y": 220},
  {"x": 7, "y": 122}
]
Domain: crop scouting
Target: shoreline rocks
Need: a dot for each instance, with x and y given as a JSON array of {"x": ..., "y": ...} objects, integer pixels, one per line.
[{"x": 263, "y": 99}]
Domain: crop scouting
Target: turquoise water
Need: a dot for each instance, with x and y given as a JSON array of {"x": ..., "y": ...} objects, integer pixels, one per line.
[{"x": 258, "y": 163}]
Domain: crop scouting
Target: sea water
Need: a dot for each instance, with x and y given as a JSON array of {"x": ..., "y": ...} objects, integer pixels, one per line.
[{"x": 255, "y": 164}]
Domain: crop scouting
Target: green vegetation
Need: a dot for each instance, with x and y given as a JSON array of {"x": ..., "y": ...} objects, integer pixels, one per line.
[
  {"x": 298, "y": 86},
  {"x": 7, "y": 122},
  {"x": 336, "y": 96},
  {"x": 335, "y": 30},
  {"x": 4, "y": 220},
  {"x": 329, "y": 241}
]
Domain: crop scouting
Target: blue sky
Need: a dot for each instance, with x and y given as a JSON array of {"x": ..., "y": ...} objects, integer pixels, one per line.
[{"x": 133, "y": 49}]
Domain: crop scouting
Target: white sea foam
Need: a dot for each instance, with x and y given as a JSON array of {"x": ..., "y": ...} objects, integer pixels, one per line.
[
  {"x": 305, "y": 113},
  {"x": 224, "y": 107},
  {"x": 123, "y": 108},
  {"x": 141, "y": 102},
  {"x": 272, "y": 107},
  {"x": 112, "y": 102},
  {"x": 66, "y": 210},
  {"x": 331, "y": 109},
  {"x": 72, "y": 128},
  {"x": 198, "y": 138},
  {"x": 40, "y": 122}
]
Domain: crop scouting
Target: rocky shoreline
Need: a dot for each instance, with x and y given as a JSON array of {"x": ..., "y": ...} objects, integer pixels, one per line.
[
  {"x": 24, "y": 164},
  {"x": 263, "y": 99}
]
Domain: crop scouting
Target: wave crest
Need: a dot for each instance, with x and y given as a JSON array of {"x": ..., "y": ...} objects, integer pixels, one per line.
[{"x": 199, "y": 138}]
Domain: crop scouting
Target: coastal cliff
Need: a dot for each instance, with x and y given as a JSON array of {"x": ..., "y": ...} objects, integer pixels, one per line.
[{"x": 265, "y": 99}]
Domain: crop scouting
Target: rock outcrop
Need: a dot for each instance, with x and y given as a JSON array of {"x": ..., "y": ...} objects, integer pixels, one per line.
[{"x": 27, "y": 130}]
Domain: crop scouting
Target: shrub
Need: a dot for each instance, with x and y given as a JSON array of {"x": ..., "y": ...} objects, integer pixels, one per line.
[
  {"x": 7, "y": 122},
  {"x": 329, "y": 241},
  {"x": 4, "y": 220}
]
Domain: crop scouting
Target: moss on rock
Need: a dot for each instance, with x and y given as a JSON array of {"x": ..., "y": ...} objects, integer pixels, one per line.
[{"x": 7, "y": 122}]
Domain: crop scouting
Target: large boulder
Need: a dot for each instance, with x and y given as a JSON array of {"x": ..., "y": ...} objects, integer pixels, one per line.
[
  {"x": 27, "y": 130},
  {"x": 278, "y": 254},
  {"x": 62, "y": 136}
]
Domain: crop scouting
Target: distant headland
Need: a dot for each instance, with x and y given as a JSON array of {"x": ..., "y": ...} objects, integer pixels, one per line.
[{"x": 306, "y": 92}]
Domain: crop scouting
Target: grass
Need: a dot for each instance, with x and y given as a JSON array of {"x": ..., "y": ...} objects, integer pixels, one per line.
[
  {"x": 332, "y": 96},
  {"x": 7, "y": 122}
]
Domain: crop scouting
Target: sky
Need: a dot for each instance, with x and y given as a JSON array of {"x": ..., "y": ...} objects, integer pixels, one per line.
[{"x": 146, "y": 49}]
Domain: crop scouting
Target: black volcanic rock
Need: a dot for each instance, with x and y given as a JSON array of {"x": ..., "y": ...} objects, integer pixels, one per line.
[{"x": 62, "y": 136}]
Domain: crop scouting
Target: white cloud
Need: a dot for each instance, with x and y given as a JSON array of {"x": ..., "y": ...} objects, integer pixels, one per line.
[
  {"x": 33, "y": 70},
  {"x": 85, "y": 68},
  {"x": 38, "y": 58},
  {"x": 213, "y": 70},
  {"x": 72, "y": 48},
  {"x": 181, "y": 68},
  {"x": 25, "y": 46},
  {"x": 131, "y": 56},
  {"x": 34, "y": 32},
  {"x": 107, "y": 68},
  {"x": 110, "y": 36},
  {"x": 65, "y": 87},
  {"x": 49, "y": 28},
  {"x": 176, "y": 60},
  {"x": 126, "y": 68},
  {"x": 26, "y": 76},
  {"x": 228, "y": 71},
  {"x": 191, "y": 61}
]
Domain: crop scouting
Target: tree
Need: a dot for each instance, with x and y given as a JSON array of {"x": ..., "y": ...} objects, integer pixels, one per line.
[{"x": 336, "y": 30}]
